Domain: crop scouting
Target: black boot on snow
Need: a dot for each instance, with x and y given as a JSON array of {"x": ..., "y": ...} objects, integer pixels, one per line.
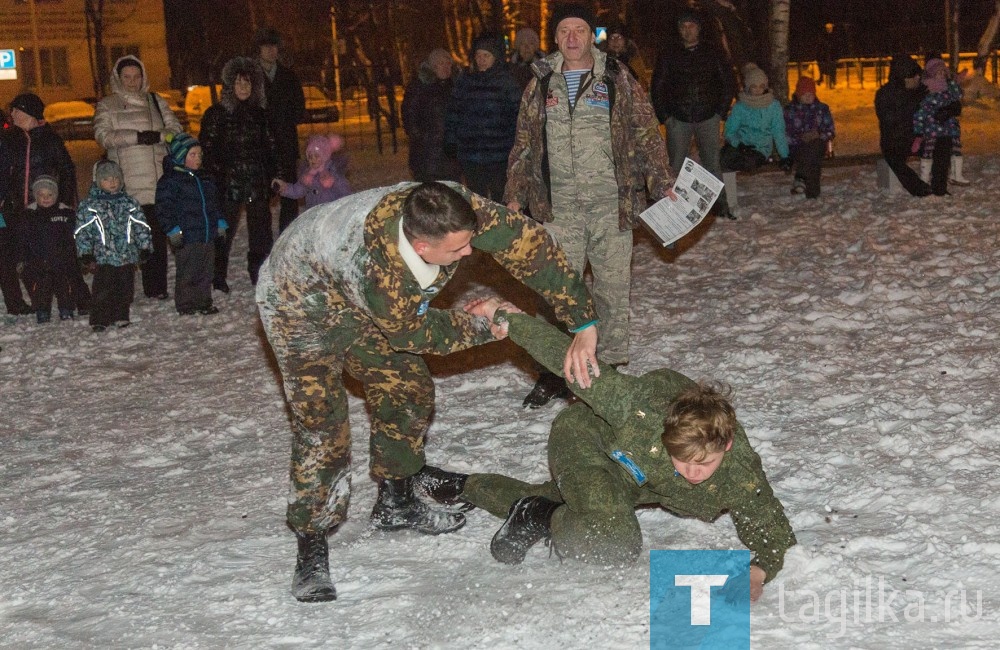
[
  {"x": 528, "y": 522},
  {"x": 442, "y": 486},
  {"x": 312, "y": 583},
  {"x": 398, "y": 508},
  {"x": 548, "y": 387}
]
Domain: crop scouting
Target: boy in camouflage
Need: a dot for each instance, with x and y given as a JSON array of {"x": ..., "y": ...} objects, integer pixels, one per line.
[
  {"x": 657, "y": 439},
  {"x": 348, "y": 287}
]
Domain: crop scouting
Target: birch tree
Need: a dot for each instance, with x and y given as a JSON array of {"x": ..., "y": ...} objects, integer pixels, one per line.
[{"x": 778, "y": 69}]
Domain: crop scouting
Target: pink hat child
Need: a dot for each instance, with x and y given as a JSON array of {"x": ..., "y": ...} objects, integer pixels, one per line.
[{"x": 319, "y": 150}]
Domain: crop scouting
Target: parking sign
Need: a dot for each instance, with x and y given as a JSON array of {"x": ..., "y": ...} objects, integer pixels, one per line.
[{"x": 8, "y": 64}]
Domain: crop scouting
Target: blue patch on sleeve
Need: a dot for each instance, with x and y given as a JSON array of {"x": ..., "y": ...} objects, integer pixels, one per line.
[{"x": 637, "y": 474}]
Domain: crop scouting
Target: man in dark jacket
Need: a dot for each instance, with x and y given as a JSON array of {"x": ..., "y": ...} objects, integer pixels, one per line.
[
  {"x": 895, "y": 104},
  {"x": 10, "y": 286},
  {"x": 285, "y": 106},
  {"x": 691, "y": 92},
  {"x": 482, "y": 118}
]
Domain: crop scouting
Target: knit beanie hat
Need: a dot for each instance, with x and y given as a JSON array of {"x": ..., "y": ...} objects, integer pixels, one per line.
[
  {"x": 753, "y": 75},
  {"x": 179, "y": 145},
  {"x": 108, "y": 169},
  {"x": 805, "y": 85},
  {"x": 489, "y": 43},
  {"x": 527, "y": 35},
  {"x": 31, "y": 104},
  {"x": 45, "y": 182},
  {"x": 324, "y": 145},
  {"x": 566, "y": 10}
]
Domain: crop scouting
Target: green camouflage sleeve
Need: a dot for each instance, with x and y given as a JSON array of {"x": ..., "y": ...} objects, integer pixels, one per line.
[
  {"x": 518, "y": 162},
  {"x": 529, "y": 253},
  {"x": 757, "y": 514},
  {"x": 650, "y": 148},
  {"x": 399, "y": 309},
  {"x": 613, "y": 396}
]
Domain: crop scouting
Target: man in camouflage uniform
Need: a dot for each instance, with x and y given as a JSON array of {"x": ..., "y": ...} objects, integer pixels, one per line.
[
  {"x": 347, "y": 288},
  {"x": 607, "y": 455},
  {"x": 587, "y": 149}
]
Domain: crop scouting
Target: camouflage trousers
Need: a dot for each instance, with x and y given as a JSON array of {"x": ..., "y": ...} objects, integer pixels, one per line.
[
  {"x": 597, "y": 522},
  {"x": 315, "y": 340},
  {"x": 589, "y": 233}
]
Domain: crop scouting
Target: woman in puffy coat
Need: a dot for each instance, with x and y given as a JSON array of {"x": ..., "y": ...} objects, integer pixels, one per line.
[
  {"x": 131, "y": 124},
  {"x": 482, "y": 119},
  {"x": 240, "y": 157}
]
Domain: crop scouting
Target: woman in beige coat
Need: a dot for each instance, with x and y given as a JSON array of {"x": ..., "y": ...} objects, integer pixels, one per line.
[{"x": 131, "y": 124}]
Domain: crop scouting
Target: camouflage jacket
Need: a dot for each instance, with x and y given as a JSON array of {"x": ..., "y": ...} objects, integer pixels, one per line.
[
  {"x": 635, "y": 408},
  {"x": 347, "y": 252},
  {"x": 638, "y": 150},
  {"x": 111, "y": 227}
]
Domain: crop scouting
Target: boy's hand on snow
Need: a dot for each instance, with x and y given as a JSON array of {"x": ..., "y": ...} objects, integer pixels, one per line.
[
  {"x": 734, "y": 594},
  {"x": 757, "y": 577}
]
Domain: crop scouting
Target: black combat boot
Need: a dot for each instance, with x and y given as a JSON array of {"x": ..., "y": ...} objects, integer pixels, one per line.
[
  {"x": 311, "y": 583},
  {"x": 442, "y": 486},
  {"x": 528, "y": 521},
  {"x": 397, "y": 508},
  {"x": 548, "y": 386}
]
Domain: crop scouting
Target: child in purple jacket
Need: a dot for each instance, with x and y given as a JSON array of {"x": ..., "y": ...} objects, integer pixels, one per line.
[
  {"x": 322, "y": 181},
  {"x": 809, "y": 126}
]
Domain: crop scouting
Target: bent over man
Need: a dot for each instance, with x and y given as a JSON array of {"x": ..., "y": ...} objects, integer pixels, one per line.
[{"x": 348, "y": 288}]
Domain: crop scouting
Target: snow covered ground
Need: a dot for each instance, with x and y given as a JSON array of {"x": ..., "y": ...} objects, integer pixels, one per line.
[{"x": 144, "y": 470}]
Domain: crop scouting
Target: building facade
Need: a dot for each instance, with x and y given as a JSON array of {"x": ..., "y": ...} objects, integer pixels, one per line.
[{"x": 58, "y": 30}]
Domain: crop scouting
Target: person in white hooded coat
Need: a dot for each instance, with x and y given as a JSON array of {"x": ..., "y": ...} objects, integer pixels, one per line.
[{"x": 131, "y": 124}]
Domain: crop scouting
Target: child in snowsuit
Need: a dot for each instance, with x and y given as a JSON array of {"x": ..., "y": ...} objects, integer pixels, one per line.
[
  {"x": 936, "y": 125},
  {"x": 112, "y": 236},
  {"x": 657, "y": 439},
  {"x": 756, "y": 126},
  {"x": 809, "y": 126},
  {"x": 50, "y": 265},
  {"x": 189, "y": 212},
  {"x": 322, "y": 180}
]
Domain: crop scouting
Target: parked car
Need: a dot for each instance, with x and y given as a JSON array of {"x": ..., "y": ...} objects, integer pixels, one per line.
[
  {"x": 196, "y": 102},
  {"x": 73, "y": 120},
  {"x": 319, "y": 106}
]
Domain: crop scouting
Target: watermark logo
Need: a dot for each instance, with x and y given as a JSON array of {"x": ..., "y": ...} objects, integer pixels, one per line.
[
  {"x": 873, "y": 601},
  {"x": 699, "y": 599}
]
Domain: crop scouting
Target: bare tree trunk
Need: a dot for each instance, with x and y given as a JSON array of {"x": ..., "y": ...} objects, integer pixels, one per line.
[
  {"x": 952, "y": 18},
  {"x": 986, "y": 40},
  {"x": 94, "y": 12},
  {"x": 778, "y": 69}
]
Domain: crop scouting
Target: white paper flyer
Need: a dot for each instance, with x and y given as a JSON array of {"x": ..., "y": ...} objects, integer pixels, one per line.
[{"x": 697, "y": 190}]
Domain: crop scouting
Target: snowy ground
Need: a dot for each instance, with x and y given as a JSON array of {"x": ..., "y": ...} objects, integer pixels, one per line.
[{"x": 144, "y": 470}]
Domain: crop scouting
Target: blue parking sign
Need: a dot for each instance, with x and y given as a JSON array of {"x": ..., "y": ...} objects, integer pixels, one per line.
[
  {"x": 7, "y": 60},
  {"x": 699, "y": 599}
]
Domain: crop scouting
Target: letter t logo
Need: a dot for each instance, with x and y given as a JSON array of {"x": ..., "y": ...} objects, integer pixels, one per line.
[{"x": 701, "y": 594}]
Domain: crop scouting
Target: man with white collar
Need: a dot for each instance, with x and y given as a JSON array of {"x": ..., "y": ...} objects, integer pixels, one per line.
[
  {"x": 348, "y": 288},
  {"x": 587, "y": 157}
]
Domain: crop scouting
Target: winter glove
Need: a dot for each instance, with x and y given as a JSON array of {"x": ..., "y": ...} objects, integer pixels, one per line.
[
  {"x": 143, "y": 256},
  {"x": 916, "y": 144},
  {"x": 88, "y": 263},
  {"x": 785, "y": 164},
  {"x": 176, "y": 238},
  {"x": 149, "y": 137},
  {"x": 948, "y": 111}
]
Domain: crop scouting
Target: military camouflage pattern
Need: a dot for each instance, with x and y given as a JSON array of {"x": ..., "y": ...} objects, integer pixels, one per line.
[
  {"x": 336, "y": 296},
  {"x": 637, "y": 149},
  {"x": 623, "y": 413}
]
